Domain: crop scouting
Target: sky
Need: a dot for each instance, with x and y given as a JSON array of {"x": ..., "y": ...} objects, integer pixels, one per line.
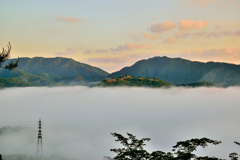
[
  {"x": 114, "y": 34},
  {"x": 77, "y": 121}
]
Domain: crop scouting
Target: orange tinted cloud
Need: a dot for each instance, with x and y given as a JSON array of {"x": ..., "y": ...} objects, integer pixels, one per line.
[
  {"x": 161, "y": 27},
  {"x": 238, "y": 7},
  {"x": 149, "y": 36},
  {"x": 204, "y": 2},
  {"x": 131, "y": 46},
  {"x": 189, "y": 25},
  {"x": 171, "y": 41},
  {"x": 69, "y": 19}
]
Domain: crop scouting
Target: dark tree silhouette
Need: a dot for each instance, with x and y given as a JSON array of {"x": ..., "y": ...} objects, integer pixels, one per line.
[
  {"x": 134, "y": 147},
  {"x": 183, "y": 150},
  {"x": 6, "y": 55},
  {"x": 234, "y": 155}
]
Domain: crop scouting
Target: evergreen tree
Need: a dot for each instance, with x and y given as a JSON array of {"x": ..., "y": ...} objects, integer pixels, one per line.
[{"x": 6, "y": 55}]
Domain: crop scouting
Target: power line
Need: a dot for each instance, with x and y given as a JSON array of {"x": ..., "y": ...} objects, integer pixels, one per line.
[
  {"x": 57, "y": 132},
  {"x": 74, "y": 130}
]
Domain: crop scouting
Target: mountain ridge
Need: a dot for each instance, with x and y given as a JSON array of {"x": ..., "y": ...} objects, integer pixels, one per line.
[
  {"x": 183, "y": 71},
  {"x": 59, "y": 66},
  {"x": 172, "y": 70},
  {"x": 40, "y": 71}
]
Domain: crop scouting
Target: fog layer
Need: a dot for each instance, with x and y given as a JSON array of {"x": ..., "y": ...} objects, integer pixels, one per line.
[{"x": 77, "y": 121}]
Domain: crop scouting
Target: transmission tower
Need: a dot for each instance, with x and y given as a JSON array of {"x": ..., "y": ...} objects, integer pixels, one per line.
[{"x": 39, "y": 141}]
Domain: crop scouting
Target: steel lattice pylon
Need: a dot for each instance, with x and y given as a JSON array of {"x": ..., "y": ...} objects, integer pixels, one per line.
[{"x": 39, "y": 141}]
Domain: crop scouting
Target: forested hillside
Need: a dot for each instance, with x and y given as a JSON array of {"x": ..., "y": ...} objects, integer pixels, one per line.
[{"x": 182, "y": 71}]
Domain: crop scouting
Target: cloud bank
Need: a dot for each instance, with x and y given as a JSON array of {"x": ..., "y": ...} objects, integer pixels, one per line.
[
  {"x": 77, "y": 121},
  {"x": 190, "y": 25},
  {"x": 162, "y": 27}
]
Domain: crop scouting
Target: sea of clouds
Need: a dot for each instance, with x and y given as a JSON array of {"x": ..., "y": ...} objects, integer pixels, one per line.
[{"x": 77, "y": 121}]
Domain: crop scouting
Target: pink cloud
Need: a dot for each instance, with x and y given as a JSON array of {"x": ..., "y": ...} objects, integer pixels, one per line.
[
  {"x": 182, "y": 35},
  {"x": 87, "y": 52},
  {"x": 238, "y": 7},
  {"x": 130, "y": 47},
  {"x": 133, "y": 36},
  {"x": 215, "y": 34},
  {"x": 161, "y": 27},
  {"x": 123, "y": 59},
  {"x": 101, "y": 51},
  {"x": 218, "y": 27},
  {"x": 218, "y": 34},
  {"x": 171, "y": 41},
  {"x": 237, "y": 33},
  {"x": 149, "y": 36},
  {"x": 65, "y": 53},
  {"x": 189, "y": 25},
  {"x": 69, "y": 19},
  {"x": 108, "y": 59}
]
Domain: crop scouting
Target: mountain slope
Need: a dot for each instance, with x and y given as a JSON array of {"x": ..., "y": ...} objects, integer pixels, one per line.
[
  {"x": 11, "y": 82},
  {"x": 182, "y": 71},
  {"x": 21, "y": 78},
  {"x": 57, "y": 68}
]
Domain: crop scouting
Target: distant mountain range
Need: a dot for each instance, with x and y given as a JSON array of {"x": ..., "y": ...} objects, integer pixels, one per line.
[
  {"x": 181, "y": 71},
  {"x": 52, "y": 68},
  {"x": 39, "y": 71}
]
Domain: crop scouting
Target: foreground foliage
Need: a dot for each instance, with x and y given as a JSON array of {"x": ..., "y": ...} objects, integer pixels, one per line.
[
  {"x": 183, "y": 150},
  {"x": 6, "y": 55}
]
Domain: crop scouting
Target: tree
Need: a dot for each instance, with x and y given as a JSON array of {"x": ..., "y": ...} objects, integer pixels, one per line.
[
  {"x": 182, "y": 150},
  {"x": 234, "y": 155},
  {"x": 134, "y": 148},
  {"x": 6, "y": 55}
]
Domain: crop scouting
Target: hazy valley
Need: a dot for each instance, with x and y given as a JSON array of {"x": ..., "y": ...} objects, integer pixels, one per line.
[{"x": 77, "y": 121}]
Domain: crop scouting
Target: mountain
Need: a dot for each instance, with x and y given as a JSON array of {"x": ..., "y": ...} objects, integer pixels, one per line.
[
  {"x": 17, "y": 77},
  {"x": 57, "y": 69},
  {"x": 182, "y": 71}
]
